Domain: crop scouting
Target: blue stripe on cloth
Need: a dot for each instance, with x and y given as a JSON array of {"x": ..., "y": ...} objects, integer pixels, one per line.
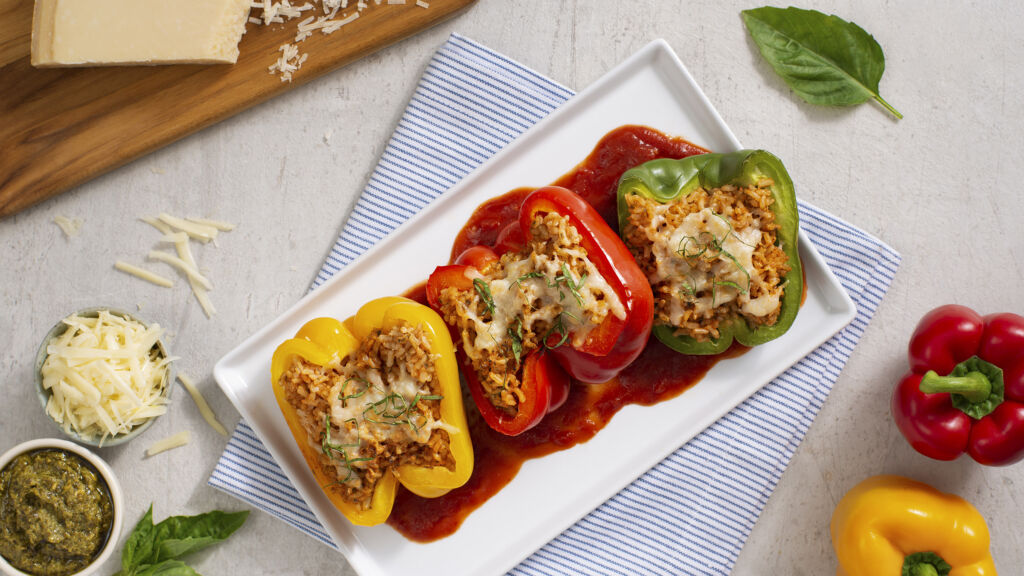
[{"x": 691, "y": 513}]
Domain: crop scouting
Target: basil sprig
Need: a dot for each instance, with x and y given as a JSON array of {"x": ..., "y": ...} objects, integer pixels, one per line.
[
  {"x": 826, "y": 60},
  {"x": 153, "y": 550}
]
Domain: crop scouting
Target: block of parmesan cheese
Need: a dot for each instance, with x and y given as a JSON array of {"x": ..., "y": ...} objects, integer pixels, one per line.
[{"x": 129, "y": 32}]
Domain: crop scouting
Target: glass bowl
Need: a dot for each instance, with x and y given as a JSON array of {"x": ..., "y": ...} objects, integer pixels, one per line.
[{"x": 44, "y": 394}]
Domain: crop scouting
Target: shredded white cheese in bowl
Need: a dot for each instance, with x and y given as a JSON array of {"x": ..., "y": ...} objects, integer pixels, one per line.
[{"x": 104, "y": 375}]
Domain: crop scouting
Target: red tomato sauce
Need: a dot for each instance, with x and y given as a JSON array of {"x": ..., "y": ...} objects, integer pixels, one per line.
[
  {"x": 596, "y": 179},
  {"x": 657, "y": 375}
]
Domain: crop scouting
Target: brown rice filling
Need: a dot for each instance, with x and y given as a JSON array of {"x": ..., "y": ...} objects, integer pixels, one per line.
[
  {"x": 548, "y": 294},
  {"x": 374, "y": 411},
  {"x": 710, "y": 256}
]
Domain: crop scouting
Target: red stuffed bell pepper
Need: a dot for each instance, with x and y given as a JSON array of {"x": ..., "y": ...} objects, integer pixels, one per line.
[
  {"x": 965, "y": 392},
  {"x": 561, "y": 296}
]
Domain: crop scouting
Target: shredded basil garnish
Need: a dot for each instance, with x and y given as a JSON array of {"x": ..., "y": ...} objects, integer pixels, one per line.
[
  {"x": 395, "y": 410},
  {"x": 534, "y": 274},
  {"x": 515, "y": 334},
  {"x": 346, "y": 397},
  {"x": 484, "y": 291},
  {"x": 710, "y": 247},
  {"x": 337, "y": 451},
  {"x": 573, "y": 286},
  {"x": 557, "y": 327}
]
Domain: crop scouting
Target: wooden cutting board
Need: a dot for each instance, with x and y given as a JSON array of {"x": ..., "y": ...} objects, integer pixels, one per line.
[{"x": 62, "y": 126}]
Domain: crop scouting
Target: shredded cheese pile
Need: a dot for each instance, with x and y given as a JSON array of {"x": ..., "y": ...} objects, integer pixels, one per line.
[
  {"x": 105, "y": 375},
  {"x": 333, "y": 14},
  {"x": 178, "y": 232}
]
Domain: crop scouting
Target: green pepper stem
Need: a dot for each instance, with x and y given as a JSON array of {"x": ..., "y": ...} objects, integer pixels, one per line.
[
  {"x": 925, "y": 564},
  {"x": 973, "y": 386},
  {"x": 924, "y": 570}
]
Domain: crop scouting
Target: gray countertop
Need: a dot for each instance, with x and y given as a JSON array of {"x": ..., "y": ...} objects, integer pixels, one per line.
[{"x": 940, "y": 186}]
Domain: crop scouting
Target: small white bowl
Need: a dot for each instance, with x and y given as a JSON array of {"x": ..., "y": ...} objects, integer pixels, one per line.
[{"x": 113, "y": 486}]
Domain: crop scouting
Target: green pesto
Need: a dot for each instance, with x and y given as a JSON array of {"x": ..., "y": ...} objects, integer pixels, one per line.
[
  {"x": 55, "y": 513},
  {"x": 665, "y": 180}
]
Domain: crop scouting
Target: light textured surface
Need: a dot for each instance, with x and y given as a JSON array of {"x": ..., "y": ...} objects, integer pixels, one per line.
[{"x": 936, "y": 186}]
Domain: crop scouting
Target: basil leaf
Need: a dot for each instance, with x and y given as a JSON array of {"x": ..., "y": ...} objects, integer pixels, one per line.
[
  {"x": 153, "y": 550},
  {"x": 138, "y": 549},
  {"x": 180, "y": 535},
  {"x": 168, "y": 568},
  {"x": 826, "y": 60}
]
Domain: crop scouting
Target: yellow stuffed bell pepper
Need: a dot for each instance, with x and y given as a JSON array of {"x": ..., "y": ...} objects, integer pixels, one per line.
[
  {"x": 894, "y": 526},
  {"x": 340, "y": 377}
]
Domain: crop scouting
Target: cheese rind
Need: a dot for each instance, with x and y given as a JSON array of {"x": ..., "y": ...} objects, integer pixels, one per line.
[{"x": 130, "y": 32}]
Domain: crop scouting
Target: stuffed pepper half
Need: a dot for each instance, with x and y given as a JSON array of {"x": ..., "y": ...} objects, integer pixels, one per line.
[
  {"x": 373, "y": 402},
  {"x": 716, "y": 235},
  {"x": 560, "y": 297}
]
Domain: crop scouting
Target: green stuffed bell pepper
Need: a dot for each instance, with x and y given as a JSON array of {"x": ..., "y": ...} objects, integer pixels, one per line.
[{"x": 716, "y": 235}]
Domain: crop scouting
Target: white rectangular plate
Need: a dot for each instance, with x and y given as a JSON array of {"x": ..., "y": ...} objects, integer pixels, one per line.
[{"x": 651, "y": 88}]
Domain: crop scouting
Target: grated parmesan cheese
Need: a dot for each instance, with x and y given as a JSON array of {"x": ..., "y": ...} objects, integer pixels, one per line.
[
  {"x": 290, "y": 59},
  {"x": 160, "y": 226},
  {"x": 204, "y": 407},
  {"x": 188, "y": 268},
  {"x": 185, "y": 253},
  {"x": 200, "y": 232},
  {"x": 143, "y": 274},
  {"x": 218, "y": 224},
  {"x": 289, "y": 62},
  {"x": 174, "y": 237},
  {"x": 177, "y": 441},
  {"x": 105, "y": 375},
  {"x": 200, "y": 229},
  {"x": 71, "y": 228}
]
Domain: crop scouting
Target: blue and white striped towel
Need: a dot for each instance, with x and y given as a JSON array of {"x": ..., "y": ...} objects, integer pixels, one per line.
[{"x": 691, "y": 513}]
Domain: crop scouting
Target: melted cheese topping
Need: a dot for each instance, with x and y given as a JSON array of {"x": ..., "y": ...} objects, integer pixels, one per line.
[
  {"x": 711, "y": 256},
  {"x": 705, "y": 255},
  {"x": 369, "y": 405},
  {"x": 381, "y": 409},
  {"x": 535, "y": 290}
]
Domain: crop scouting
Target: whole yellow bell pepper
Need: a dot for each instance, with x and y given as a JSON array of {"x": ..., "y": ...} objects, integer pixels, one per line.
[
  {"x": 325, "y": 340},
  {"x": 894, "y": 526}
]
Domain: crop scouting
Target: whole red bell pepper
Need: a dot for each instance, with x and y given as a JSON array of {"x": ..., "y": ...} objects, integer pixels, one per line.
[
  {"x": 608, "y": 348},
  {"x": 965, "y": 391}
]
